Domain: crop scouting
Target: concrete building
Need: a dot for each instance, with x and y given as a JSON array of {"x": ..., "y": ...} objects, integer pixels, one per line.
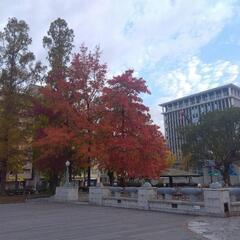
[{"x": 187, "y": 110}]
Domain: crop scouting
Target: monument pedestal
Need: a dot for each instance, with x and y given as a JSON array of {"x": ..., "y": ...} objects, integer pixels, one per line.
[
  {"x": 217, "y": 201},
  {"x": 66, "y": 193}
]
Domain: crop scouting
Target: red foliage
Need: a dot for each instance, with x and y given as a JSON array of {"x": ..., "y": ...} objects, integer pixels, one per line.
[
  {"x": 71, "y": 106},
  {"x": 55, "y": 137},
  {"x": 134, "y": 147},
  {"x": 107, "y": 126}
]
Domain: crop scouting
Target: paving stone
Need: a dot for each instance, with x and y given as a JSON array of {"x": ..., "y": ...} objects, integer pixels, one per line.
[
  {"x": 216, "y": 228},
  {"x": 58, "y": 221}
]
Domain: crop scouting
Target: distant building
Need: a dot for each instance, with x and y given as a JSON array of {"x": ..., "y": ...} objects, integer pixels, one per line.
[{"x": 187, "y": 110}]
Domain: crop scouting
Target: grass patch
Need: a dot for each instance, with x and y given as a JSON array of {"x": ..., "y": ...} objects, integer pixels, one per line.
[{"x": 12, "y": 199}]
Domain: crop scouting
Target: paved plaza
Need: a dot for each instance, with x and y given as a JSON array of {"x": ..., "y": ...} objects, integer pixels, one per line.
[
  {"x": 58, "y": 221},
  {"x": 216, "y": 228}
]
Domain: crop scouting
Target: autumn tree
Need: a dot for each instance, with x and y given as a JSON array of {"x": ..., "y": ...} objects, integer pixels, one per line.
[
  {"x": 71, "y": 102},
  {"x": 52, "y": 108},
  {"x": 54, "y": 142},
  {"x": 88, "y": 76},
  {"x": 217, "y": 138},
  {"x": 134, "y": 146},
  {"x": 17, "y": 72}
]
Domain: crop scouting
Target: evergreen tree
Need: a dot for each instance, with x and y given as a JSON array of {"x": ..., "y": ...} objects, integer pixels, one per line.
[
  {"x": 48, "y": 114},
  {"x": 59, "y": 42}
]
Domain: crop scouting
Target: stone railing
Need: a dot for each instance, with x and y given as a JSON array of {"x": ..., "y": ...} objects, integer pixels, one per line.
[
  {"x": 185, "y": 194},
  {"x": 196, "y": 201}
]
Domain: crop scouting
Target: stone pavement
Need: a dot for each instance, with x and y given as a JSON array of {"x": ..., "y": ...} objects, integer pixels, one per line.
[
  {"x": 216, "y": 228},
  {"x": 59, "y": 221}
]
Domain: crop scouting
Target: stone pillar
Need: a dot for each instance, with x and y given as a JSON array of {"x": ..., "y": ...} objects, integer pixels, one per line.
[
  {"x": 146, "y": 193},
  {"x": 206, "y": 177},
  {"x": 36, "y": 179},
  {"x": 66, "y": 193},
  {"x": 217, "y": 202},
  {"x": 96, "y": 194}
]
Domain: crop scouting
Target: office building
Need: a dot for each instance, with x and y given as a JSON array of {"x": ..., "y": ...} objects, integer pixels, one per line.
[{"x": 187, "y": 110}]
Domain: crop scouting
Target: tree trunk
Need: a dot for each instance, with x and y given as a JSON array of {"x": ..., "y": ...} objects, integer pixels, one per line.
[
  {"x": 89, "y": 174},
  {"x": 84, "y": 177},
  {"x": 89, "y": 149},
  {"x": 70, "y": 169},
  {"x": 3, "y": 176},
  {"x": 122, "y": 181},
  {"x": 16, "y": 181},
  {"x": 111, "y": 177},
  {"x": 53, "y": 183},
  {"x": 226, "y": 177}
]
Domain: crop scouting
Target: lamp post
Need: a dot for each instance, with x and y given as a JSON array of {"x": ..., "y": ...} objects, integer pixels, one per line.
[{"x": 67, "y": 183}]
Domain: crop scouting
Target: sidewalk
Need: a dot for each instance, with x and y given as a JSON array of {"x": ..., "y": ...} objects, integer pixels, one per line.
[
  {"x": 66, "y": 221},
  {"x": 216, "y": 228}
]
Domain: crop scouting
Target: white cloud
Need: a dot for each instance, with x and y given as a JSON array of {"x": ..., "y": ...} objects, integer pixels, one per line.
[
  {"x": 192, "y": 77},
  {"x": 196, "y": 76},
  {"x": 140, "y": 34},
  {"x": 131, "y": 33}
]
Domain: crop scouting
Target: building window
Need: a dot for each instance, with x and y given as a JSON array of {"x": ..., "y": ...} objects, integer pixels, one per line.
[
  {"x": 181, "y": 104},
  {"x": 204, "y": 97},
  {"x": 198, "y": 99},
  {"x": 219, "y": 94},
  {"x": 211, "y": 96},
  {"x": 192, "y": 100},
  {"x": 227, "y": 104},
  {"x": 225, "y": 92},
  {"x": 208, "y": 107}
]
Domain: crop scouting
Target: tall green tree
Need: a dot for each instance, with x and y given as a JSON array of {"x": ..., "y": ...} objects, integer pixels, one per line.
[
  {"x": 59, "y": 43},
  {"x": 17, "y": 73},
  {"x": 48, "y": 114},
  {"x": 216, "y": 137}
]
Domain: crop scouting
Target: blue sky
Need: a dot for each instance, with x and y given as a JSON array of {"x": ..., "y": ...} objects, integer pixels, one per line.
[{"x": 178, "y": 46}]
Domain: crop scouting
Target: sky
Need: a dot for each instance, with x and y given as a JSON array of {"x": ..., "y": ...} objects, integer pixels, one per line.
[{"x": 179, "y": 47}]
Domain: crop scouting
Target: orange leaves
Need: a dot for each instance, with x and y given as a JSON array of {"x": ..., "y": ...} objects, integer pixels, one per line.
[
  {"x": 56, "y": 136},
  {"x": 109, "y": 126},
  {"x": 74, "y": 110},
  {"x": 54, "y": 144},
  {"x": 135, "y": 147}
]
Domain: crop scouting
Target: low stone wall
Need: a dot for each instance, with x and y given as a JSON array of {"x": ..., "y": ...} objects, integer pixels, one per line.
[
  {"x": 213, "y": 202},
  {"x": 122, "y": 202},
  {"x": 173, "y": 206}
]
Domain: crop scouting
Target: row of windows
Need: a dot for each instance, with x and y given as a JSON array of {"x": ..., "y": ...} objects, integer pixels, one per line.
[
  {"x": 235, "y": 92},
  {"x": 198, "y": 99},
  {"x": 189, "y": 114}
]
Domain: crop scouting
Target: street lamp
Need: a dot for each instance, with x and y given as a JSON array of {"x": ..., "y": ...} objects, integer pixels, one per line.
[
  {"x": 67, "y": 163},
  {"x": 67, "y": 183}
]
